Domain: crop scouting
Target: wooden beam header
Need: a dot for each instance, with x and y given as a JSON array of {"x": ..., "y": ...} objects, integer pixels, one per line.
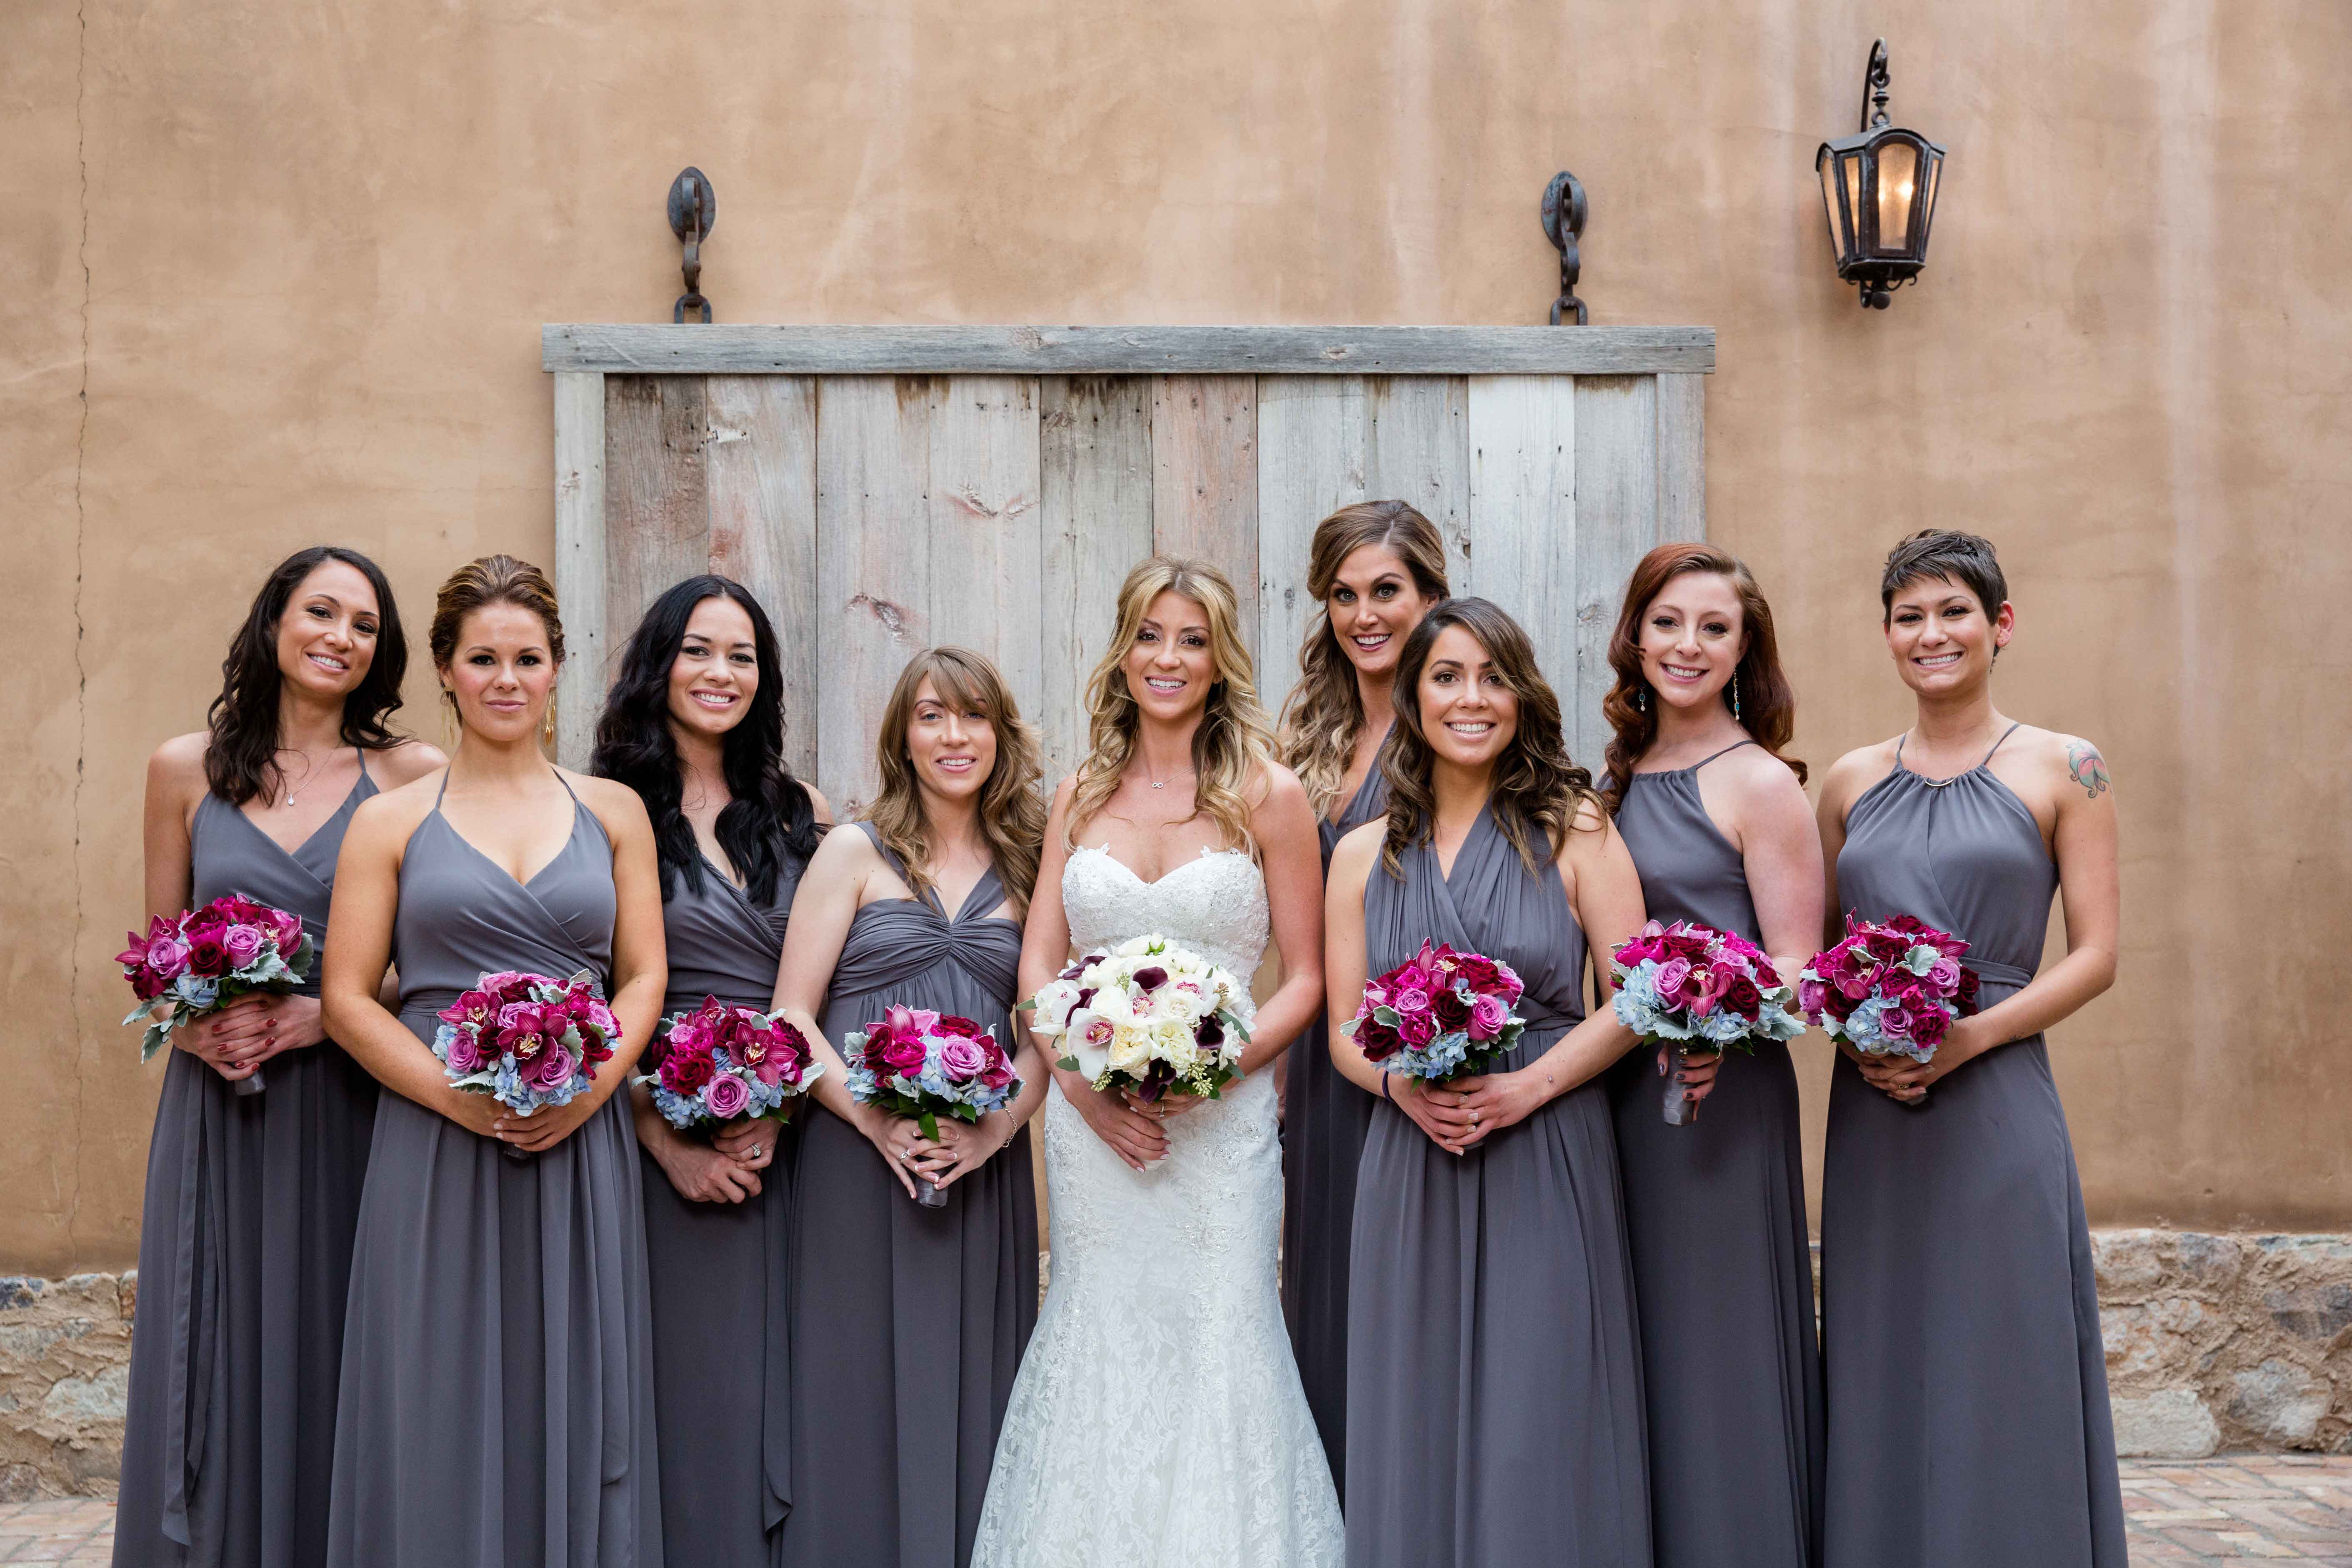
[{"x": 635, "y": 348}]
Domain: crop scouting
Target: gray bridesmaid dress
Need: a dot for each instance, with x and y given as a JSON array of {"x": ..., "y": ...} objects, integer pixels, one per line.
[
  {"x": 497, "y": 1403},
  {"x": 1716, "y": 1213},
  {"x": 908, "y": 1323},
  {"x": 1324, "y": 1118},
  {"x": 1494, "y": 1369},
  {"x": 1968, "y": 1388},
  {"x": 723, "y": 1351},
  {"x": 244, "y": 1259}
]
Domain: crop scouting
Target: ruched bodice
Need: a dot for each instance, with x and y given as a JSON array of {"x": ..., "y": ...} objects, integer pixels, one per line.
[
  {"x": 895, "y": 943},
  {"x": 722, "y": 942}
]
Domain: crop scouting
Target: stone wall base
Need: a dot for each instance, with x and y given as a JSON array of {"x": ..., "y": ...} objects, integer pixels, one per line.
[{"x": 2214, "y": 1341}]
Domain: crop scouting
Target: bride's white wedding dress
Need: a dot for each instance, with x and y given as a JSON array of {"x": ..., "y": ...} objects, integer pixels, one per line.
[{"x": 1158, "y": 1420}]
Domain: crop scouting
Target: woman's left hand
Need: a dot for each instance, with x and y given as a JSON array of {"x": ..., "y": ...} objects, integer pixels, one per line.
[
  {"x": 277, "y": 1023},
  {"x": 1695, "y": 1072},
  {"x": 1166, "y": 1108},
  {"x": 1905, "y": 1080},
  {"x": 1496, "y": 1101},
  {"x": 961, "y": 1148},
  {"x": 751, "y": 1143},
  {"x": 545, "y": 1128}
]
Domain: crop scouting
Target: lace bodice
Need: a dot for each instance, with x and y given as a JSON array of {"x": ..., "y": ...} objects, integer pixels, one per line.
[{"x": 1213, "y": 904}]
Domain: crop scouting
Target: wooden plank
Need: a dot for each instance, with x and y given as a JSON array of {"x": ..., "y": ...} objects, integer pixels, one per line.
[
  {"x": 1681, "y": 458},
  {"x": 987, "y": 561},
  {"x": 579, "y": 570},
  {"x": 1616, "y": 524},
  {"x": 802, "y": 350},
  {"x": 761, "y": 471},
  {"x": 1096, "y": 459},
  {"x": 1523, "y": 451},
  {"x": 873, "y": 565},
  {"x": 656, "y": 498},
  {"x": 1204, "y": 459},
  {"x": 1312, "y": 434},
  {"x": 1418, "y": 451}
]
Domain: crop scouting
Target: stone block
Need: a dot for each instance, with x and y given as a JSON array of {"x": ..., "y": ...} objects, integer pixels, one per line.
[
  {"x": 2171, "y": 1424},
  {"x": 2280, "y": 1402}
]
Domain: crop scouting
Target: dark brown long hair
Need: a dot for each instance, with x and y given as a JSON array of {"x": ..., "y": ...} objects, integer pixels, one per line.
[
  {"x": 241, "y": 760},
  {"x": 1537, "y": 788},
  {"x": 1011, "y": 812},
  {"x": 1768, "y": 704},
  {"x": 1324, "y": 713}
]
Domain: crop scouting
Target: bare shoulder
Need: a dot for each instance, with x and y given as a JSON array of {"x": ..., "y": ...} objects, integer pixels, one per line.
[
  {"x": 386, "y": 819},
  {"x": 1764, "y": 781},
  {"x": 846, "y": 848},
  {"x": 2071, "y": 763},
  {"x": 1357, "y": 850},
  {"x": 819, "y": 805},
  {"x": 178, "y": 764},
  {"x": 405, "y": 761},
  {"x": 1856, "y": 772},
  {"x": 1277, "y": 791},
  {"x": 617, "y": 805}
]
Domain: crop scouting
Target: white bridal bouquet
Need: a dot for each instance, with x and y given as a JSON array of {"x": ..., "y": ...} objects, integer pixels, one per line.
[{"x": 1149, "y": 1016}]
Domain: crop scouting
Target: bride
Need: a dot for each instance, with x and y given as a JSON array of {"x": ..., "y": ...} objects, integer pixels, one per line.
[{"x": 1158, "y": 1418}]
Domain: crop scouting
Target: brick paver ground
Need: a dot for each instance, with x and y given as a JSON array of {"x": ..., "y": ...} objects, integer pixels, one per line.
[{"x": 2237, "y": 1508}]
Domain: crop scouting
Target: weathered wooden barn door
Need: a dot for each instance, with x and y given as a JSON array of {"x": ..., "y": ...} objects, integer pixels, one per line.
[{"x": 886, "y": 488}]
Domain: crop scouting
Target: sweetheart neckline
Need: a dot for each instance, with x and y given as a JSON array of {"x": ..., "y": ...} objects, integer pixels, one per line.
[{"x": 1206, "y": 856}]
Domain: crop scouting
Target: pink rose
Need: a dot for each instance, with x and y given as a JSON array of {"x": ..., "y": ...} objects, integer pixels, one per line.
[
  {"x": 1487, "y": 1017},
  {"x": 243, "y": 944},
  {"x": 727, "y": 1096},
  {"x": 1672, "y": 976},
  {"x": 1895, "y": 1022},
  {"x": 1416, "y": 1028},
  {"x": 1412, "y": 1002},
  {"x": 962, "y": 1057},
  {"x": 1943, "y": 975},
  {"x": 556, "y": 1065},
  {"x": 464, "y": 1052},
  {"x": 168, "y": 957}
]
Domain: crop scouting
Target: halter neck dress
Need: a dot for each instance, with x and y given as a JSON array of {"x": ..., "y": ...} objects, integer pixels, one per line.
[
  {"x": 720, "y": 1282},
  {"x": 243, "y": 1257},
  {"x": 1967, "y": 1385},
  {"x": 496, "y": 1402},
  {"x": 908, "y": 1323},
  {"x": 1324, "y": 1119},
  {"x": 1722, "y": 1266},
  {"x": 1494, "y": 1371}
]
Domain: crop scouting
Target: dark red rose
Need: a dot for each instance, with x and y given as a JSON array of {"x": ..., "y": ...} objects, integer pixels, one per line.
[
  {"x": 1452, "y": 1012},
  {"x": 1929, "y": 1026},
  {"x": 951, "y": 1024},
  {"x": 1966, "y": 997},
  {"x": 1478, "y": 972},
  {"x": 1376, "y": 1041},
  {"x": 688, "y": 1073},
  {"x": 207, "y": 921},
  {"x": 1742, "y": 997},
  {"x": 208, "y": 957}
]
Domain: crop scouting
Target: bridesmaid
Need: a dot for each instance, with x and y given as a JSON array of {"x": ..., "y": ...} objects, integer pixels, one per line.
[
  {"x": 253, "y": 1179},
  {"x": 1967, "y": 1391},
  {"x": 908, "y": 1323},
  {"x": 1493, "y": 1378},
  {"x": 496, "y": 1403},
  {"x": 1718, "y": 823},
  {"x": 695, "y": 726},
  {"x": 1375, "y": 567}
]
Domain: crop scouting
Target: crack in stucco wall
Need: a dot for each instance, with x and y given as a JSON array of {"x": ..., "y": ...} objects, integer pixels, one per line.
[{"x": 81, "y": 670}]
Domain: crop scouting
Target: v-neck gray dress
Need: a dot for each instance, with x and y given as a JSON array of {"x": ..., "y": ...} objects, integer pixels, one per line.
[
  {"x": 722, "y": 1347},
  {"x": 1716, "y": 1213},
  {"x": 908, "y": 1323},
  {"x": 1967, "y": 1385},
  {"x": 497, "y": 1406},
  {"x": 1324, "y": 1118},
  {"x": 244, "y": 1257},
  {"x": 1493, "y": 1370}
]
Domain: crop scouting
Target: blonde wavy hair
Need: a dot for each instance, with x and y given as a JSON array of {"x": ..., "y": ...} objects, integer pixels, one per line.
[
  {"x": 1324, "y": 713},
  {"x": 1234, "y": 744},
  {"x": 1012, "y": 810}
]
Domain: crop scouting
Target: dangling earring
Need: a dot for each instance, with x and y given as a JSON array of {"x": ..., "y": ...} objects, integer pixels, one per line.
[
  {"x": 1735, "y": 696},
  {"x": 1640, "y": 699},
  {"x": 546, "y": 727}
]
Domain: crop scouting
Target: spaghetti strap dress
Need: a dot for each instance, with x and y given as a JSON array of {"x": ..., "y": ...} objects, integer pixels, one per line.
[
  {"x": 497, "y": 1404},
  {"x": 908, "y": 1323},
  {"x": 721, "y": 1275},
  {"x": 1722, "y": 1268},
  {"x": 1324, "y": 1119},
  {"x": 1967, "y": 1385},
  {"x": 1494, "y": 1368},
  {"x": 243, "y": 1257}
]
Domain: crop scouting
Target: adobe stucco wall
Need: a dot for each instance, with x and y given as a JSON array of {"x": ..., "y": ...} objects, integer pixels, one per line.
[{"x": 272, "y": 275}]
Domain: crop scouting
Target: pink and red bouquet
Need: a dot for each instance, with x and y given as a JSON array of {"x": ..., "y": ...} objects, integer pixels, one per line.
[
  {"x": 1890, "y": 988},
  {"x": 1441, "y": 1015},
  {"x": 1691, "y": 988},
  {"x": 918, "y": 1063},
  {"x": 191, "y": 965},
  {"x": 721, "y": 1063},
  {"x": 526, "y": 1040}
]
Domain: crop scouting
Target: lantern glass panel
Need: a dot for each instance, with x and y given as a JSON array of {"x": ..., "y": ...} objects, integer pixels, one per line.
[
  {"x": 1829, "y": 166},
  {"x": 1852, "y": 162},
  {"x": 1899, "y": 181},
  {"x": 1927, "y": 207}
]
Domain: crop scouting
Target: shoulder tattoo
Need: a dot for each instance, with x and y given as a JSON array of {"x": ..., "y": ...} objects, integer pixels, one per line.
[{"x": 2087, "y": 767}]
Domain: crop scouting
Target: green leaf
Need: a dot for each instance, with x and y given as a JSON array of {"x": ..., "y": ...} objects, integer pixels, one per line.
[
  {"x": 158, "y": 1035},
  {"x": 1067, "y": 1064},
  {"x": 931, "y": 1125}
]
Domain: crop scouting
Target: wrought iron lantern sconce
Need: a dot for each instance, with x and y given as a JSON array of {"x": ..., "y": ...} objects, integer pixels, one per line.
[
  {"x": 1879, "y": 186},
  {"x": 1562, "y": 217},
  {"x": 693, "y": 213}
]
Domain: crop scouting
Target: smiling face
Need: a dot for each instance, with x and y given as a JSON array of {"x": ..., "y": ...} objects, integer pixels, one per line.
[
  {"x": 1468, "y": 711},
  {"x": 1374, "y": 604},
  {"x": 500, "y": 673},
  {"x": 951, "y": 745},
  {"x": 1942, "y": 640},
  {"x": 326, "y": 638},
  {"x": 716, "y": 671},
  {"x": 1170, "y": 665},
  {"x": 1693, "y": 638}
]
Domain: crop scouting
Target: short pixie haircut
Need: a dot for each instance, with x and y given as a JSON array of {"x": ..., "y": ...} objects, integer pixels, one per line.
[{"x": 1966, "y": 559}]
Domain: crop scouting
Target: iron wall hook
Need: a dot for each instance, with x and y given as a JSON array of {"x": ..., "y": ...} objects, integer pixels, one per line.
[
  {"x": 1562, "y": 214},
  {"x": 693, "y": 213}
]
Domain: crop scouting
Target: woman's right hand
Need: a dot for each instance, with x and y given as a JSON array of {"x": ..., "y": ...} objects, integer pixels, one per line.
[
  {"x": 1135, "y": 1138},
  {"x": 702, "y": 1175},
  {"x": 896, "y": 1139},
  {"x": 1434, "y": 1109},
  {"x": 233, "y": 1042},
  {"x": 477, "y": 1114}
]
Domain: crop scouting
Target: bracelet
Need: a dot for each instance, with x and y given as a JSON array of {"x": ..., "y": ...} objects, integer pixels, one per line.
[{"x": 1384, "y": 1089}]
